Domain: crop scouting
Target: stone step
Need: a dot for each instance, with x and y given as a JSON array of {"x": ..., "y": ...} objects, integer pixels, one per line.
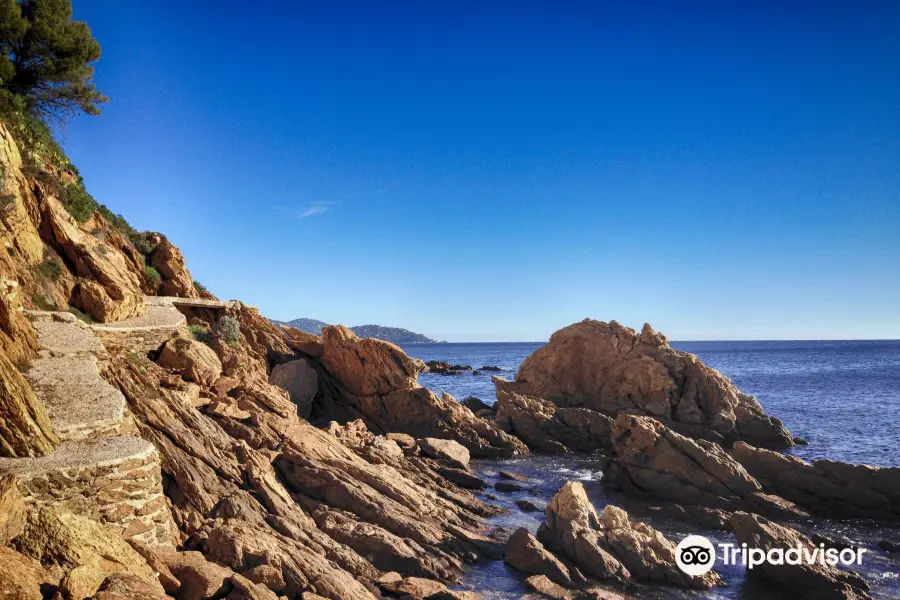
[
  {"x": 80, "y": 403},
  {"x": 114, "y": 480},
  {"x": 62, "y": 334}
]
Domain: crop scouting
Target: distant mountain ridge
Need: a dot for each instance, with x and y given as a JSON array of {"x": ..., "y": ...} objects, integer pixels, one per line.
[{"x": 395, "y": 335}]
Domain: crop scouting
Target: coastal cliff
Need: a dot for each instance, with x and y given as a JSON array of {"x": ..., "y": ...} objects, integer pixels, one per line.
[{"x": 156, "y": 442}]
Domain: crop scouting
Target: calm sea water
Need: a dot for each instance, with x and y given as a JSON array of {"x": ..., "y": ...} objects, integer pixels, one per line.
[{"x": 842, "y": 396}]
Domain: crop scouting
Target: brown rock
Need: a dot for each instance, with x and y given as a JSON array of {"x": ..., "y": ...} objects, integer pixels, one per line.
[
  {"x": 547, "y": 428},
  {"x": 200, "y": 579},
  {"x": 416, "y": 587},
  {"x": 526, "y": 554},
  {"x": 266, "y": 575},
  {"x": 404, "y": 440},
  {"x": 544, "y": 586},
  {"x": 826, "y": 487},
  {"x": 73, "y": 541},
  {"x": 663, "y": 463},
  {"x": 25, "y": 428},
  {"x": 377, "y": 380},
  {"x": 155, "y": 561},
  {"x": 17, "y": 336},
  {"x": 816, "y": 581},
  {"x": 12, "y": 510},
  {"x": 194, "y": 360},
  {"x": 128, "y": 587},
  {"x": 29, "y": 576},
  {"x": 303, "y": 342},
  {"x": 176, "y": 279},
  {"x": 610, "y": 546},
  {"x": 367, "y": 367},
  {"x": 300, "y": 381},
  {"x": 109, "y": 288},
  {"x": 244, "y": 589},
  {"x": 448, "y": 450},
  {"x": 83, "y": 581},
  {"x": 610, "y": 369}
]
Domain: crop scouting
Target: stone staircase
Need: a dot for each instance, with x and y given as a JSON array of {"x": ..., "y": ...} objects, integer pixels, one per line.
[{"x": 98, "y": 470}]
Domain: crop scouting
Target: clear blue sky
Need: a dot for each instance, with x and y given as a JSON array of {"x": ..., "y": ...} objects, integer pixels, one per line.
[{"x": 491, "y": 171}]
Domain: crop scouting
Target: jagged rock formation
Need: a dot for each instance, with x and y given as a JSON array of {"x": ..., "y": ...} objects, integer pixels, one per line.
[
  {"x": 548, "y": 428},
  {"x": 663, "y": 463},
  {"x": 826, "y": 487},
  {"x": 611, "y": 369},
  {"x": 25, "y": 428},
  {"x": 175, "y": 280},
  {"x": 815, "y": 581},
  {"x": 575, "y": 545},
  {"x": 378, "y": 383}
]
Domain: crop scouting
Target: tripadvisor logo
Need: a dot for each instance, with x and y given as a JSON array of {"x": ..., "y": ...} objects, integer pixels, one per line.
[{"x": 696, "y": 555}]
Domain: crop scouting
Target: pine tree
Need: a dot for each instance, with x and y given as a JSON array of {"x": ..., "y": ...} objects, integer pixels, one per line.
[{"x": 45, "y": 59}]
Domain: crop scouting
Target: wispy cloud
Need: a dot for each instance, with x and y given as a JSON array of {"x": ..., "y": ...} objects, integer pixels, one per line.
[{"x": 316, "y": 208}]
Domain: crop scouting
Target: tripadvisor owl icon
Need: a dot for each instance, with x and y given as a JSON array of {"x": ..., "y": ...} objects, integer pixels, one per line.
[{"x": 695, "y": 555}]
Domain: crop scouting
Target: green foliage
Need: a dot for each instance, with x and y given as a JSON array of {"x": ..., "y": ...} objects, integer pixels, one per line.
[
  {"x": 43, "y": 302},
  {"x": 151, "y": 274},
  {"x": 80, "y": 204},
  {"x": 200, "y": 287},
  {"x": 50, "y": 269},
  {"x": 6, "y": 200},
  {"x": 229, "y": 329},
  {"x": 45, "y": 59},
  {"x": 144, "y": 242},
  {"x": 82, "y": 316},
  {"x": 200, "y": 333}
]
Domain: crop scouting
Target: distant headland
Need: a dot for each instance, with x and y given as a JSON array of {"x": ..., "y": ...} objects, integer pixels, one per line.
[{"x": 395, "y": 335}]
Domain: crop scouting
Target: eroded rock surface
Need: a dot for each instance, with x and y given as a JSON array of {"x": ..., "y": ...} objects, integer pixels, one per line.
[
  {"x": 826, "y": 487},
  {"x": 815, "y": 581},
  {"x": 663, "y": 463},
  {"x": 547, "y": 428},
  {"x": 376, "y": 380},
  {"x": 609, "y": 546},
  {"x": 611, "y": 369}
]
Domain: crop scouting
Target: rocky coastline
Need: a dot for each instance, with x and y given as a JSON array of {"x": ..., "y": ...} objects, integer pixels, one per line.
[{"x": 171, "y": 445}]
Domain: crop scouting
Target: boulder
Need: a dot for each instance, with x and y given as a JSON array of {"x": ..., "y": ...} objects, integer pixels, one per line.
[
  {"x": 815, "y": 581},
  {"x": 609, "y": 368},
  {"x": 25, "y": 428},
  {"x": 475, "y": 404},
  {"x": 826, "y": 487},
  {"x": 547, "y": 428},
  {"x": 12, "y": 510},
  {"x": 193, "y": 360},
  {"x": 200, "y": 579},
  {"x": 611, "y": 546},
  {"x": 109, "y": 286},
  {"x": 547, "y": 588},
  {"x": 127, "y": 587},
  {"x": 377, "y": 381},
  {"x": 448, "y": 450},
  {"x": 305, "y": 343},
  {"x": 75, "y": 542},
  {"x": 30, "y": 576},
  {"x": 367, "y": 367},
  {"x": 666, "y": 464},
  {"x": 300, "y": 381},
  {"x": 414, "y": 587},
  {"x": 176, "y": 280},
  {"x": 526, "y": 554}
]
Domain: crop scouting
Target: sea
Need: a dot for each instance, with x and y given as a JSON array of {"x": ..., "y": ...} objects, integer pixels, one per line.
[{"x": 843, "y": 397}]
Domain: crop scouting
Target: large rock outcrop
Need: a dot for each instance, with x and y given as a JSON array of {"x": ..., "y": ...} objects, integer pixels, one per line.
[
  {"x": 25, "y": 428},
  {"x": 376, "y": 380},
  {"x": 175, "y": 279},
  {"x": 611, "y": 369},
  {"x": 826, "y": 487},
  {"x": 666, "y": 464},
  {"x": 610, "y": 546},
  {"x": 813, "y": 581},
  {"x": 548, "y": 428}
]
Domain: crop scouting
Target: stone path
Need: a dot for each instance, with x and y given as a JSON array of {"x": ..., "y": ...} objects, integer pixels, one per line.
[
  {"x": 95, "y": 471},
  {"x": 157, "y": 316}
]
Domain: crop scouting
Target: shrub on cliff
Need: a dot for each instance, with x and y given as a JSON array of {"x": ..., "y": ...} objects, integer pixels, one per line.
[
  {"x": 45, "y": 59},
  {"x": 229, "y": 329}
]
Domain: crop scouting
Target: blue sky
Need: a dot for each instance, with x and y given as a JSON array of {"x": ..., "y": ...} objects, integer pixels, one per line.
[{"x": 491, "y": 171}]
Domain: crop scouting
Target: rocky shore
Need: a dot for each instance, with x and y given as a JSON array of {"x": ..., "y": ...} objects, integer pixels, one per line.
[{"x": 157, "y": 443}]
